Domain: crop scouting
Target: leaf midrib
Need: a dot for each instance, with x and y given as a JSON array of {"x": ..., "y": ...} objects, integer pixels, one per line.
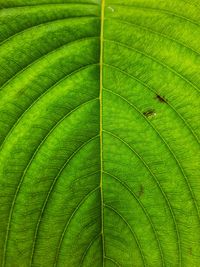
[{"x": 101, "y": 126}]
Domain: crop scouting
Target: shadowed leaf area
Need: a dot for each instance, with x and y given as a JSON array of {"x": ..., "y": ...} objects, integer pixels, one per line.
[{"x": 99, "y": 133}]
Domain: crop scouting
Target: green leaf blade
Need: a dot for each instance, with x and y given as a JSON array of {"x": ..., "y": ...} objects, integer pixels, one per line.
[{"x": 99, "y": 133}]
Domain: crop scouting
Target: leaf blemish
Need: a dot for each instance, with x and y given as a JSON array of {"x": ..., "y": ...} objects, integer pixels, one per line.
[
  {"x": 111, "y": 8},
  {"x": 161, "y": 99},
  {"x": 149, "y": 113},
  {"x": 141, "y": 191}
]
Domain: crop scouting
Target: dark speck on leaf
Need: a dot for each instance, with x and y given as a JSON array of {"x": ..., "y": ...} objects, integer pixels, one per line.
[
  {"x": 149, "y": 113},
  {"x": 161, "y": 99},
  {"x": 141, "y": 191}
]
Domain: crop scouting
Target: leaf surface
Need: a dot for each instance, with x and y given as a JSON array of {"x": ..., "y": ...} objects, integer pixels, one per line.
[{"x": 99, "y": 133}]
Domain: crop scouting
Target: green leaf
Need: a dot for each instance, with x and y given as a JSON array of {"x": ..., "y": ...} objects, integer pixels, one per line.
[{"x": 99, "y": 133}]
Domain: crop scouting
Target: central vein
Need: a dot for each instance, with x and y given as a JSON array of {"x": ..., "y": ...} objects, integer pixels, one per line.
[{"x": 101, "y": 125}]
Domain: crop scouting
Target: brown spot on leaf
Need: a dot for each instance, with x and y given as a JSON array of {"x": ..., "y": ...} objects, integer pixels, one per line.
[
  {"x": 141, "y": 191},
  {"x": 161, "y": 99}
]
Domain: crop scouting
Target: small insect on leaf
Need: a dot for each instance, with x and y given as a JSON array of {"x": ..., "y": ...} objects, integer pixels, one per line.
[
  {"x": 149, "y": 113},
  {"x": 161, "y": 98}
]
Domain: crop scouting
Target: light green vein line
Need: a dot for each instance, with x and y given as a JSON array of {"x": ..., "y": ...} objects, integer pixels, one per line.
[
  {"x": 138, "y": 200},
  {"x": 155, "y": 60},
  {"x": 88, "y": 248},
  {"x": 38, "y": 99},
  {"x": 44, "y": 57},
  {"x": 154, "y": 32},
  {"x": 50, "y": 192},
  {"x": 24, "y": 173},
  {"x": 160, "y": 188},
  {"x": 47, "y": 23},
  {"x": 101, "y": 125},
  {"x": 161, "y": 10},
  {"x": 154, "y": 91},
  {"x": 169, "y": 149},
  {"x": 86, "y": 176},
  {"x": 68, "y": 222},
  {"x": 48, "y": 4},
  {"x": 132, "y": 231},
  {"x": 112, "y": 260}
]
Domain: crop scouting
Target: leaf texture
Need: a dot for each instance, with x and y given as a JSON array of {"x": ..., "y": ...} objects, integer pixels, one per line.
[{"x": 99, "y": 133}]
